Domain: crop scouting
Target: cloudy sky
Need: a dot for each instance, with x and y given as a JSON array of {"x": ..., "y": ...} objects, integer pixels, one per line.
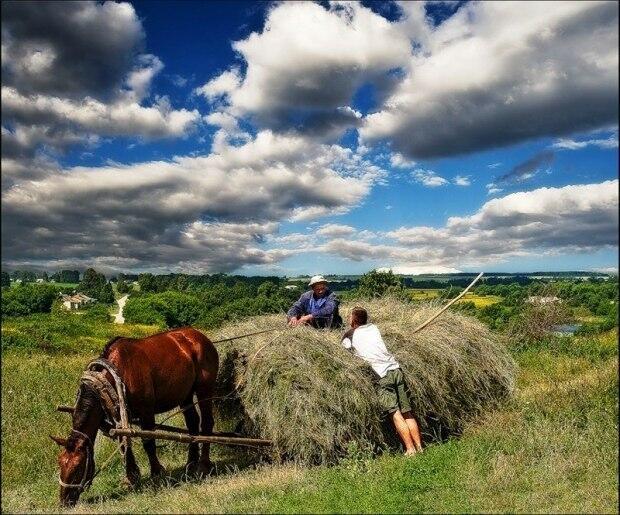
[{"x": 291, "y": 138}]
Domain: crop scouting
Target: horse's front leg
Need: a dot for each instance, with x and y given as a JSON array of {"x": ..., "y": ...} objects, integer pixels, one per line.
[
  {"x": 132, "y": 471},
  {"x": 147, "y": 422}
]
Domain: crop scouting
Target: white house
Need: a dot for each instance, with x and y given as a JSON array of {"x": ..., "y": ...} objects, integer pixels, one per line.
[
  {"x": 536, "y": 299},
  {"x": 76, "y": 301}
]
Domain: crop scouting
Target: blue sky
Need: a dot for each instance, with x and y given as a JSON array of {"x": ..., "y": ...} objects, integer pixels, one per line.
[{"x": 300, "y": 138}]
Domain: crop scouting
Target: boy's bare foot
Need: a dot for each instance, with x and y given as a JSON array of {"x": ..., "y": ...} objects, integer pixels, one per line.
[{"x": 411, "y": 453}]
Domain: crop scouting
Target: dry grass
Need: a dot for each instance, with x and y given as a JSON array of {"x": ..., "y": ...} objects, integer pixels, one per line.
[{"x": 316, "y": 401}]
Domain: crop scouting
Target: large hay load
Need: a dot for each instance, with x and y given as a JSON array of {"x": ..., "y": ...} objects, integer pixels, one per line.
[{"x": 301, "y": 389}]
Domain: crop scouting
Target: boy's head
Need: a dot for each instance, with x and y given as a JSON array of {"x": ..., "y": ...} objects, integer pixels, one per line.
[{"x": 359, "y": 316}]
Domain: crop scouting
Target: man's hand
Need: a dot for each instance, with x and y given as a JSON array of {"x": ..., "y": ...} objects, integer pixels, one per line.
[
  {"x": 294, "y": 322},
  {"x": 306, "y": 319}
]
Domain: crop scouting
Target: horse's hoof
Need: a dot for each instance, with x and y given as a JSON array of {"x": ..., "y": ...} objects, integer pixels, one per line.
[
  {"x": 204, "y": 469},
  {"x": 191, "y": 468},
  {"x": 158, "y": 472},
  {"x": 129, "y": 482}
]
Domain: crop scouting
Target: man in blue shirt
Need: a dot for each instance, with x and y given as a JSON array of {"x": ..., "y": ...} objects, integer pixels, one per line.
[{"x": 317, "y": 307}]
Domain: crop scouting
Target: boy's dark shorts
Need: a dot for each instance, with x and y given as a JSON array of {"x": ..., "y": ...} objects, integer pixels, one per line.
[{"x": 392, "y": 392}]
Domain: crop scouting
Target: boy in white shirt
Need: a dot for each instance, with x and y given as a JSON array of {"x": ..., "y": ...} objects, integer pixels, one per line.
[{"x": 366, "y": 341}]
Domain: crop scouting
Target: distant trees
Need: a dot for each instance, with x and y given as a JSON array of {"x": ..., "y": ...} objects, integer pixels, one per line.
[
  {"x": 25, "y": 276},
  {"x": 6, "y": 280},
  {"x": 123, "y": 286},
  {"x": 147, "y": 283},
  {"x": 206, "y": 305},
  {"x": 378, "y": 284},
  {"x": 96, "y": 286},
  {"x": 66, "y": 276},
  {"x": 268, "y": 289}
]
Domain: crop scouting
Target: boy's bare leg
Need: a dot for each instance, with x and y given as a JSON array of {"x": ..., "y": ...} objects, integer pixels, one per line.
[
  {"x": 414, "y": 430},
  {"x": 403, "y": 431}
]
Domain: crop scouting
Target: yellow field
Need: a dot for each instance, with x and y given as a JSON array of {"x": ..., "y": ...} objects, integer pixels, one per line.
[
  {"x": 480, "y": 301},
  {"x": 424, "y": 294}
]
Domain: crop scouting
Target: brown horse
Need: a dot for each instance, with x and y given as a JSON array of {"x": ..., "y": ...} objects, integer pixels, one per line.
[{"x": 160, "y": 372}]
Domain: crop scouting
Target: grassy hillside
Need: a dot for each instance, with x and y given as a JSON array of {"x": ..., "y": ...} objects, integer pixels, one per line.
[{"x": 553, "y": 448}]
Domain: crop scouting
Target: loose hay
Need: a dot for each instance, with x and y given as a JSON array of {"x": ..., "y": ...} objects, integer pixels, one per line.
[{"x": 301, "y": 389}]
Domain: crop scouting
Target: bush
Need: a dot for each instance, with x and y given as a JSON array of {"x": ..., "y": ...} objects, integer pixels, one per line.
[
  {"x": 467, "y": 307},
  {"x": 496, "y": 316},
  {"x": 179, "y": 309},
  {"x": 377, "y": 284},
  {"x": 535, "y": 322},
  {"x": 143, "y": 310},
  {"x": 29, "y": 298},
  {"x": 97, "y": 313},
  {"x": 172, "y": 309},
  {"x": 597, "y": 327}
]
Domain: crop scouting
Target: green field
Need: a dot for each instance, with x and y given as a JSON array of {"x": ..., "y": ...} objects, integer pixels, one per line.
[
  {"x": 67, "y": 286},
  {"x": 553, "y": 448}
]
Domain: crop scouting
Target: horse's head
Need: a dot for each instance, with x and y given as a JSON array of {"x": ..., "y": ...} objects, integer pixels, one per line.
[{"x": 77, "y": 466}]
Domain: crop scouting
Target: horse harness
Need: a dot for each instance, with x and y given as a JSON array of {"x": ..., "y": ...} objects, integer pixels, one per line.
[
  {"x": 112, "y": 397},
  {"x": 114, "y": 405}
]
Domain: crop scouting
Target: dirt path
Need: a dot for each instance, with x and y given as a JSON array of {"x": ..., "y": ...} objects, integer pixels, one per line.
[{"x": 119, "y": 318}]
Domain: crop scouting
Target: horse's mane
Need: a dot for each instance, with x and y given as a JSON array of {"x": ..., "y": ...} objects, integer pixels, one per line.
[{"x": 108, "y": 346}]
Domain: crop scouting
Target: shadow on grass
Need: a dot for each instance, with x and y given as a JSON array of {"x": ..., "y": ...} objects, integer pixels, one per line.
[{"x": 229, "y": 463}]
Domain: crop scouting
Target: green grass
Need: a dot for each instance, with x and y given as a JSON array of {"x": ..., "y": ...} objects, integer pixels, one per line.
[
  {"x": 15, "y": 284},
  {"x": 65, "y": 332},
  {"x": 552, "y": 448},
  {"x": 66, "y": 285}
]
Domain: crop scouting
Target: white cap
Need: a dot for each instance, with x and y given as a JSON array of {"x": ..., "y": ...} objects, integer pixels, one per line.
[{"x": 317, "y": 279}]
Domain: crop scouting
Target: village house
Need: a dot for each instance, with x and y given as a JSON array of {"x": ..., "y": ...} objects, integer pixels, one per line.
[
  {"x": 537, "y": 299},
  {"x": 76, "y": 301}
]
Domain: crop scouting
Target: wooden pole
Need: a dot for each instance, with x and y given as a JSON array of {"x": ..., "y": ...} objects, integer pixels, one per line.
[
  {"x": 165, "y": 427},
  {"x": 183, "y": 430},
  {"x": 183, "y": 438},
  {"x": 422, "y": 326}
]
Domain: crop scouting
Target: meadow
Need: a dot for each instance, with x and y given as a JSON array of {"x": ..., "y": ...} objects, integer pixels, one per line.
[{"x": 551, "y": 448}]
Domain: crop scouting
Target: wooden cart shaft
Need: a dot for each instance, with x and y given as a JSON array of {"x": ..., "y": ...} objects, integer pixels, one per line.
[
  {"x": 179, "y": 434},
  {"x": 186, "y": 438}
]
